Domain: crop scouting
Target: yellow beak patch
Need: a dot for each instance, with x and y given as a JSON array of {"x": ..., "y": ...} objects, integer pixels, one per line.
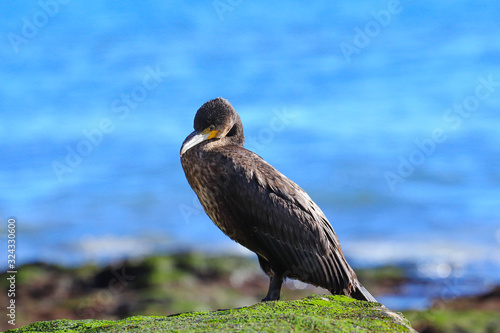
[{"x": 211, "y": 133}]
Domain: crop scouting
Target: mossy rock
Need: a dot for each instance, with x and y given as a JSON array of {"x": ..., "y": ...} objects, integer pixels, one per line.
[
  {"x": 311, "y": 314},
  {"x": 446, "y": 320}
]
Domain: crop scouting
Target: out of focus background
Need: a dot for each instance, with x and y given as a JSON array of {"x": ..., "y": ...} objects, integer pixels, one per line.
[{"x": 385, "y": 112}]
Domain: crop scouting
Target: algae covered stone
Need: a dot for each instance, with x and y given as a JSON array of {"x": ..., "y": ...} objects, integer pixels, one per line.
[{"x": 311, "y": 314}]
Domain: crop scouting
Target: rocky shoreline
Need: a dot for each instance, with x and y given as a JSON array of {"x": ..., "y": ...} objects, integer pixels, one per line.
[{"x": 184, "y": 282}]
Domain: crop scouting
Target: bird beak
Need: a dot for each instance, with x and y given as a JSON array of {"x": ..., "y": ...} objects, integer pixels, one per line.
[{"x": 196, "y": 137}]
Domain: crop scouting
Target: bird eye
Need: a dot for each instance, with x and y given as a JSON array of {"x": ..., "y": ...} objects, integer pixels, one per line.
[{"x": 211, "y": 128}]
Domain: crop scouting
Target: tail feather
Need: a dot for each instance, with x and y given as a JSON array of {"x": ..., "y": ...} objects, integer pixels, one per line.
[{"x": 362, "y": 294}]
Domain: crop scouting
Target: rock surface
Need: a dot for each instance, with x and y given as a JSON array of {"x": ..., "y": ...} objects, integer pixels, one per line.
[{"x": 311, "y": 314}]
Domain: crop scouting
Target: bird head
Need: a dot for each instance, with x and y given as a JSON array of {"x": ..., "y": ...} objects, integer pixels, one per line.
[{"x": 216, "y": 119}]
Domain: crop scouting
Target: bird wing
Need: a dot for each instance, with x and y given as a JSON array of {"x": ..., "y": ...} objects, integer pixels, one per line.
[{"x": 288, "y": 228}]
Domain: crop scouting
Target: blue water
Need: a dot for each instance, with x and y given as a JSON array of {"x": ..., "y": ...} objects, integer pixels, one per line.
[{"x": 386, "y": 114}]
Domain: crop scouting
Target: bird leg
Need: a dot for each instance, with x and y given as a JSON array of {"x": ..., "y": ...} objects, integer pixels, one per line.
[{"x": 274, "y": 288}]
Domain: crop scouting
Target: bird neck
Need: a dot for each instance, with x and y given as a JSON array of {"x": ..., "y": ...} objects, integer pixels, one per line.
[
  {"x": 233, "y": 141},
  {"x": 235, "y": 136}
]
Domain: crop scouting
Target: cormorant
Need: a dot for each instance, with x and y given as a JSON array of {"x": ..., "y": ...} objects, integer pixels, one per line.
[{"x": 258, "y": 207}]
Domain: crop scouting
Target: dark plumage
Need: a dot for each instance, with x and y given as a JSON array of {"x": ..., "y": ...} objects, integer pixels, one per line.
[{"x": 258, "y": 207}]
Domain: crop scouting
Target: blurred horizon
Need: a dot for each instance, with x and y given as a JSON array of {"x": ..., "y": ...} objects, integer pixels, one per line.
[{"x": 386, "y": 113}]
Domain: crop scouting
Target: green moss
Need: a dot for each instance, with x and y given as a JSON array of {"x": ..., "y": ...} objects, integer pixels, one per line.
[
  {"x": 163, "y": 270},
  {"x": 381, "y": 273},
  {"x": 33, "y": 272},
  {"x": 438, "y": 320},
  {"x": 315, "y": 313},
  {"x": 182, "y": 267}
]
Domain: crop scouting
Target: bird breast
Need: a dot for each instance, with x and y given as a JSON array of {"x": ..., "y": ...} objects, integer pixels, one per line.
[{"x": 209, "y": 178}]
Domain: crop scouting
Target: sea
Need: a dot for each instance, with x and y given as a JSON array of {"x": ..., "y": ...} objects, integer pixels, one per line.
[{"x": 386, "y": 112}]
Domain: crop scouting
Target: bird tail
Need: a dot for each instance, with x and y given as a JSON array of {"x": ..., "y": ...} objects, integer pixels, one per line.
[{"x": 362, "y": 294}]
